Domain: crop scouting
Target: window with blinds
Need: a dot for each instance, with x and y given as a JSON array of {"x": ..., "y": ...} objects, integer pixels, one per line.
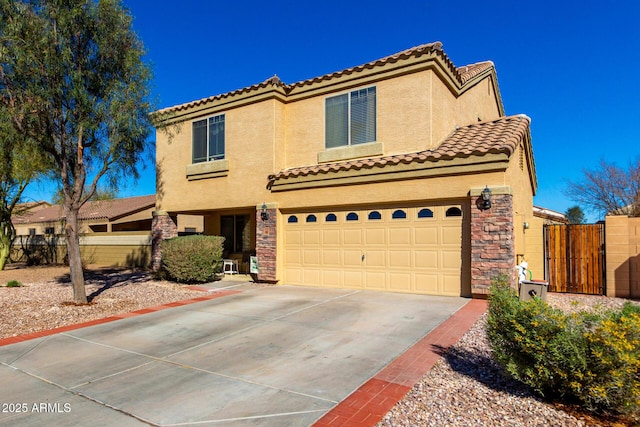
[
  {"x": 208, "y": 139},
  {"x": 350, "y": 118}
]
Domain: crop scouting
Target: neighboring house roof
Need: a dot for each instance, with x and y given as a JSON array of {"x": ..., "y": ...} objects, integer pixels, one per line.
[
  {"x": 31, "y": 206},
  {"x": 502, "y": 135},
  {"x": 462, "y": 74},
  {"x": 110, "y": 210},
  {"x": 550, "y": 214}
]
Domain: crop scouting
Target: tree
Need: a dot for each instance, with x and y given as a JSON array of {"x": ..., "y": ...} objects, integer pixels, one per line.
[
  {"x": 20, "y": 163},
  {"x": 72, "y": 79},
  {"x": 575, "y": 215},
  {"x": 609, "y": 189}
]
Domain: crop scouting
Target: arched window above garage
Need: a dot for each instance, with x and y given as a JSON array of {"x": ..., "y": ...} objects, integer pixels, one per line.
[
  {"x": 399, "y": 214},
  {"x": 425, "y": 213},
  {"x": 352, "y": 216},
  {"x": 331, "y": 218},
  {"x": 375, "y": 215},
  {"x": 453, "y": 212},
  {"x": 292, "y": 219},
  {"x": 312, "y": 218}
]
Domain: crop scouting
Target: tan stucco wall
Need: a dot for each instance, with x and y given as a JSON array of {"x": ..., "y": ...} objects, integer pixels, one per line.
[
  {"x": 249, "y": 149},
  {"x": 517, "y": 177},
  {"x": 622, "y": 242},
  {"x": 449, "y": 111}
]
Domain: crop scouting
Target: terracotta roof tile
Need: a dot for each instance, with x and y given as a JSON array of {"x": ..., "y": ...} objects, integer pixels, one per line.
[
  {"x": 498, "y": 136},
  {"x": 462, "y": 74},
  {"x": 107, "y": 209}
]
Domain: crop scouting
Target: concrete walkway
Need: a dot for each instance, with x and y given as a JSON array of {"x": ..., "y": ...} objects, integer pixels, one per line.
[{"x": 241, "y": 356}]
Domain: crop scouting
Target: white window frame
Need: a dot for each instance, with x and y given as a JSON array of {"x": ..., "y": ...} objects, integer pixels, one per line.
[
  {"x": 351, "y": 96},
  {"x": 208, "y": 157}
]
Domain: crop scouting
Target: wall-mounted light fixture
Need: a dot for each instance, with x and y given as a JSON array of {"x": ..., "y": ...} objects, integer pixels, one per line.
[
  {"x": 526, "y": 225},
  {"x": 486, "y": 198},
  {"x": 264, "y": 215}
]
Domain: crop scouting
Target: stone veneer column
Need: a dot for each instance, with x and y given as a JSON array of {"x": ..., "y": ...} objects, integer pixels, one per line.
[
  {"x": 162, "y": 227},
  {"x": 266, "y": 243},
  {"x": 492, "y": 243}
]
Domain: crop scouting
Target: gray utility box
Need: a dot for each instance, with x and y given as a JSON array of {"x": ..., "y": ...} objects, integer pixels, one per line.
[{"x": 530, "y": 289}]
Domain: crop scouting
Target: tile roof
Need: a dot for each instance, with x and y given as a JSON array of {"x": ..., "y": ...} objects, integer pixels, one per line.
[
  {"x": 497, "y": 136},
  {"x": 100, "y": 209},
  {"x": 462, "y": 74}
]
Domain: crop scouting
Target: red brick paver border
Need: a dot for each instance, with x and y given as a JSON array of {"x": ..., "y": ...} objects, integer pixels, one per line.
[
  {"x": 368, "y": 404},
  {"x": 26, "y": 337}
]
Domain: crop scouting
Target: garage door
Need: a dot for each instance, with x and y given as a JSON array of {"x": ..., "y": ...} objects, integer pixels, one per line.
[{"x": 414, "y": 249}]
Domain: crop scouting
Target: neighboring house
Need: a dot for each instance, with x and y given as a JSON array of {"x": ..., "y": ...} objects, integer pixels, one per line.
[
  {"x": 23, "y": 208},
  {"x": 367, "y": 178},
  {"x": 126, "y": 214},
  {"x": 100, "y": 216},
  {"x": 112, "y": 232}
]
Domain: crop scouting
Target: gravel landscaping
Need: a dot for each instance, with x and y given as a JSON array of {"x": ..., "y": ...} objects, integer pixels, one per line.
[{"x": 464, "y": 388}]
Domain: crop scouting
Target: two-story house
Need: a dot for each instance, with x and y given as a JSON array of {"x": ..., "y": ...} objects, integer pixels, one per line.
[{"x": 402, "y": 174}]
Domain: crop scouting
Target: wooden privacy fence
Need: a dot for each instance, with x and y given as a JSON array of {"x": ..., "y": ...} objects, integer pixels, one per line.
[{"x": 574, "y": 258}]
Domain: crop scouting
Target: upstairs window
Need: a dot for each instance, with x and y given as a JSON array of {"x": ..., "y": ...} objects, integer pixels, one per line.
[
  {"x": 208, "y": 139},
  {"x": 350, "y": 118}
]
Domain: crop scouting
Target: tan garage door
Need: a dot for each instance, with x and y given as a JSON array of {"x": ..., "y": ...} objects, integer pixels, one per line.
[{"x": 414, "y": 249}]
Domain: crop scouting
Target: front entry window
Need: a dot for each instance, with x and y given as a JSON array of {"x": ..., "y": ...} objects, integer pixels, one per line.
[{"x": 236, "y": 230}]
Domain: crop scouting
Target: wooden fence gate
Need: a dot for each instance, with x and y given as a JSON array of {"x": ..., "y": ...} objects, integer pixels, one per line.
[{"x": 574, "y": 258}]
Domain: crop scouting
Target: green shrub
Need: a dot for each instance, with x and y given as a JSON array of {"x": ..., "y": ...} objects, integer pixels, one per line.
[
  {"x": 13, "y": 284},
  {"x": 592, "y": 358},
  {"x": 191, "y": 259},
  {"x": 614, "y": 375}
]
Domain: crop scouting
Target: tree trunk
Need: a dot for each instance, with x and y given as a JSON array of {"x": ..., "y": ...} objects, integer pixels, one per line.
[
  {"x": 75, "y": 261},
  {"x": 5, "y": 248},
  {"x": 6, "y": 238}
]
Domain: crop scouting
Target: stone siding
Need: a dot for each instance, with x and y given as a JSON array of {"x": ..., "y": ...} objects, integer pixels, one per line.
[
  {"x": 266, "y": 246},
  {"x": 163, "y": 227},
  {"x": 492, "y": 246}
]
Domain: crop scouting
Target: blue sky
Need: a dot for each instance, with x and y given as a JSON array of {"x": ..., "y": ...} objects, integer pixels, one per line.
[{"x": 569, "y": 65}]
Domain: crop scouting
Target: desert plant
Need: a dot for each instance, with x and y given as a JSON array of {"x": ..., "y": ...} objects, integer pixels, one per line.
[
  {"x": 588, "y": 357},
  {"x": 195, "y": 258},
  {"x": 13, "y": 284}
]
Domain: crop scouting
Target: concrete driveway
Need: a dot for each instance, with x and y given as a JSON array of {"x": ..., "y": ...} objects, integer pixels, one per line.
[{"x": 271, "y": 356}]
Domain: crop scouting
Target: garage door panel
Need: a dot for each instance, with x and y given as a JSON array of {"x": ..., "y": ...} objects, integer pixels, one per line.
[
  {"x": 426, "y": 236},
  {"x": 331, "y": 237},
  {"x": 451, "y": 285},
  {"x": 375, "y": 280},
  {"x": 332, "y": 278},
  {"x": 311, "y": 237},
  {"x": 400, "y": 259},
  {"x": 352, "y": 258},
  {"x": 331, "y": 258},
  {"x": 399, "y": 236},
  {"x": 451, "y": 236},
  {"x": 293, "y": 275},
  {"x": 311, "y": 277},
  {"x": 293, "y": 257},
  {"x": 293, "y": 237},
  {"x": 375, "y": 236},
  {"x": 352, "y": 237},
  {"x": 427, "y": 283},
  {"x": 426, "y": 259},
  {"x": 450, "y": 259},
  {"x": 311, "y": 257},
  {"x": 352, "y": 279},
  {"x": 400, "y": 282},
  {"x": 375, "y": 258}
]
